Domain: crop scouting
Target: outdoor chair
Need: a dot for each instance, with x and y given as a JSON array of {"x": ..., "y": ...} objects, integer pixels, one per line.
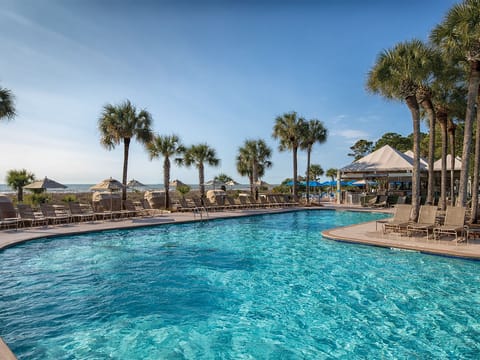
[
  {"x": 129, "y": 209},
  {"x": 52, "y": 216},
  {"x": 78, "y": 213},
  {"x": 453, "y": 224},
  {"x": 29, "y": 217},
  {"x": 382, "y": 201},
  {"x": 399, "y": 222},
  {"x": 184, "y": 205},
  {"x": 371, "y": 201},
  {"x": 232, "y": 204},
  {"x": 426, "y": 220},
  {"x": 8, "y": 214}
]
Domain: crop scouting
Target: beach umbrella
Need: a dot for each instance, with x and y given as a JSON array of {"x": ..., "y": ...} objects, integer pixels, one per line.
[
  {"x": 134, "y": 184},
  {"x": 44, "y": 184},
  {"x": 176, "y": 183},
  {"x": 108, "y": 184},
  {"x": 232, "y": 183},
  {"x": 214, "y": 183}
]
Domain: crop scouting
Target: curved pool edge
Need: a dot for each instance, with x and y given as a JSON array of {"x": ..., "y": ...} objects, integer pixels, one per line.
[
  {"x": 367, "y": 234},
  {"x": 5, "y": 352}
]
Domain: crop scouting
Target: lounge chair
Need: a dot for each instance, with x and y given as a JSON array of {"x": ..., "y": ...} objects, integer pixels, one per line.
[
  {"x": 232, "y": 204},
  {"x": 78, "y": 213},
  {"x": 400, "y": 219},
  {"x": 52, "y": 216},
  {"x": 8, "y": 214},
  {"x": 29, "y": 217},
  {"x": 184, "y": 205},
  {"x": 129, "y": 209},
  {"x": 453, "y": 224},
  {"x": 371, "y": 201},
  {"x": 382, "y": 201},
  {"x": 426, "y": 220}
]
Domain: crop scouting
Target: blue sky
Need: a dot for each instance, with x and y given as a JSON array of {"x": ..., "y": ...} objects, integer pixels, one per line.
[{"x": 210, "y": 71}]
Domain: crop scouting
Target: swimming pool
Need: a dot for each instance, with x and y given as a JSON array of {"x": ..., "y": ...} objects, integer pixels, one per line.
[{"x": 258, "y": 287}]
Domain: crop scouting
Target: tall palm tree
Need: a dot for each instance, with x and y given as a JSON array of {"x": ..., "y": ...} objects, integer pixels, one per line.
[
  {"x": 256, "y": 154},
  {"x": 451, "y": 128},
  {"x": 198, "y": 156},
  {"x": 17, "y": 179},
  {"x": 288, "y": 129},
  {"x": 397, "y": 75},
  {"x": 314, "y": 132},
  {"x": 459, "y": 37},
  {"x": 7, "y": 106},
  {"x": 166, "y": 146},
  {"x": 447, "y": 93},
  {"x": 122, "y": 123}
]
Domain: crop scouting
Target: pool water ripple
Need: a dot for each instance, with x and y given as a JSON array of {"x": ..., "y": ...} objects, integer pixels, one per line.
[{"x": 254, "y": 288}]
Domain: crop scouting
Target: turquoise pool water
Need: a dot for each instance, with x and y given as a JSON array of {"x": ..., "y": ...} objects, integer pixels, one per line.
[{"x": 266, "y": 287}]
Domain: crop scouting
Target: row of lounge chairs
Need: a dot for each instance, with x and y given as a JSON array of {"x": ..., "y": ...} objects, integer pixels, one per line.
[
  {"x": 25, "y": 216},
  {"x": 429, "y": 222},
  {"x": 222, "y": 202}
]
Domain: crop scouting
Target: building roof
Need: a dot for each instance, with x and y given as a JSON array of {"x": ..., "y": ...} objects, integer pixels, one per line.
[
  {"x": 437, "y": 165},
  {"x": 386, "y": 159}
]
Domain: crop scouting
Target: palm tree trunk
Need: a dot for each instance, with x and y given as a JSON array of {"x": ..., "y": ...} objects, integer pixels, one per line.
[
  {"x": 427, "y": 105},
  {"x": 476, "y": 169},
  {"x": 415, "y": 111},
  {"x": 201, "y": 178},
  {"x": 126, "y": 148},
  {"x": 166, "y": 181},
  {"x": 309, "y": 152},
  {"x": 451, "y": 135},
  {"x": 255, "y": 178},
  {"x": 473, "y": 84},
  {"x": 294, "y": 152},
  {"x": 442, "y": 119},
  {"x": 20, "y": 194}
]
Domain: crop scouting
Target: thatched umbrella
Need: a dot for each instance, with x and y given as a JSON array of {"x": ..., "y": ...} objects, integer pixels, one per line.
[
  {"x": 108, "y": 184},
  {"x": 134, "y": 184},
  {"x": 44, "y": 184},
  {"x": 176, "y": 183}
]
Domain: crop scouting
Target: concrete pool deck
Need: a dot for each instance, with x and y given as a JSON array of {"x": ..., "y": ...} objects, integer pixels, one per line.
[{"x": 364, "y": 233}]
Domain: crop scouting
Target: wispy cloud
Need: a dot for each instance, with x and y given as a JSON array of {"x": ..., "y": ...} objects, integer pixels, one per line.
[{"x": 351, "y": 133}]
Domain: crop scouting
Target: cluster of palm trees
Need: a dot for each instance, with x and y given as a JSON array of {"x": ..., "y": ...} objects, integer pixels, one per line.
[
  {"x": 294, "y": 132},
  {"x": 439, "y": 80},
  {"x": 122, "y": 123}
]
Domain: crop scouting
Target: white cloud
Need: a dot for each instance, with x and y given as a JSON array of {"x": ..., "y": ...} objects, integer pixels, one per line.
[{"x": 351, "y": 134}]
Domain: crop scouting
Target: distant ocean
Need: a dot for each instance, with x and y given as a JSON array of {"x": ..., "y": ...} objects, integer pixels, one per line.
[{"x": 79, "y": 188}]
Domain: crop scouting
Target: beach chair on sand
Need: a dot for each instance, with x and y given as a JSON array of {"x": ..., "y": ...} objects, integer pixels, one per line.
[
  {"x": 399, "y": 221},
  {"x": 426, "y": 220},
  {"x": 453, "y": 224}
]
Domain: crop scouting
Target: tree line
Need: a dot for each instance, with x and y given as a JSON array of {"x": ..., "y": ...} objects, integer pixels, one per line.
[
  {"x": 120, "y": 124},
  {"x": 440, "y": 81}
]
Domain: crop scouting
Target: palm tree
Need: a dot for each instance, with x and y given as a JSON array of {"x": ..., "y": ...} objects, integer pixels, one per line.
[
  {"x": 459, "y": 37},
  {"x": 288, "y": 129},
  {"x": 397, "y": 75},
  {"x": 122, "y": 123},
  {"x": 166, "y": 146},
  {"x": 198, "y": 155},
  {"x": 451, "y": 128},
  {"x": 256, "y": 155},
  {"x": 17, "y": 179},
  {"x": 7, "y": 106},
  {"x": 314, "y": 132},
  {"x": 315, "y": 171}
]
